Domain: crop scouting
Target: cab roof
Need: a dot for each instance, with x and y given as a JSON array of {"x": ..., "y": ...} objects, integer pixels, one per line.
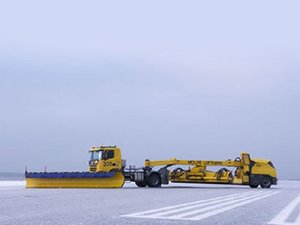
[{"x": 99, "y": 148}]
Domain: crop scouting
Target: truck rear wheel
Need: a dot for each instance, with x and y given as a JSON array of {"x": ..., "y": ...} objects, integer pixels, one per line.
[
  {"x": 141, "y": 183},
  {"x": 265, "y": 182},
  {"x": 154, "y": 180}
]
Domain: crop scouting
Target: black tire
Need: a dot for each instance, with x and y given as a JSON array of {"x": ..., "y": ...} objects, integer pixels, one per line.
[
  {"x": 154, "y": 180},
  {"x": 254, "y": 182},
  {"x": 265, "y": 182},
  {"x": 141, "y": 183}
]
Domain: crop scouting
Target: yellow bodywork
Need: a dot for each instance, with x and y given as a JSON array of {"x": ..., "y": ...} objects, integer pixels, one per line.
[
  {"x": 198, "y": 173},
  {"x": 109, "y": 164},
  {"x": 264, "y": 167},
  {"x": 116, "y": 181}
]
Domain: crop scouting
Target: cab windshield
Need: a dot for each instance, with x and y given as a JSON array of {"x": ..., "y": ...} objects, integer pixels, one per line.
[{"x": 96, "y": 155}]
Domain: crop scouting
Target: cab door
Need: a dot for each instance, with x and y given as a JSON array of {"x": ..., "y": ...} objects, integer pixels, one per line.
[{"x": 108, "y": 160}]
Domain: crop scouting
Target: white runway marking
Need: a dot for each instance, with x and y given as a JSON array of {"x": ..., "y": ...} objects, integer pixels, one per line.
[
  {"x": 281, "y": 218},
  {"x": 204, "y": 208}
]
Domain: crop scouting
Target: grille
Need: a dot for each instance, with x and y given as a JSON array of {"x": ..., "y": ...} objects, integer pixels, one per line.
[{"x": 93, "y": 168}]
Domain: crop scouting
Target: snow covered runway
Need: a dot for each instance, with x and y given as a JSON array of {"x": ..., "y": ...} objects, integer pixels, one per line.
[{"x": 172, "y": 204}]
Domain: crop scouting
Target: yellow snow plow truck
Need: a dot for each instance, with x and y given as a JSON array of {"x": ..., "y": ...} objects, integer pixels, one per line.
[{"x": 108, "y": 170}]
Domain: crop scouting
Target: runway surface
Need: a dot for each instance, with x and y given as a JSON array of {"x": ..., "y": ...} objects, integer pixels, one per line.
[{"x": 172, "y": 204}]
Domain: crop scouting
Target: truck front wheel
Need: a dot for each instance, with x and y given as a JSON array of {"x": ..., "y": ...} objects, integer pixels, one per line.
[{"x": 154, "y": 180}]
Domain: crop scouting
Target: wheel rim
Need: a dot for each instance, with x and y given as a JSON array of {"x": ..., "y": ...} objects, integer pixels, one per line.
[{"x": 154, "y": 180}]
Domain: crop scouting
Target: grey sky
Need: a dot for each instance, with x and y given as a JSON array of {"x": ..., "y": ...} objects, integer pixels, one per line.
[{"x": 162, "y": 79}]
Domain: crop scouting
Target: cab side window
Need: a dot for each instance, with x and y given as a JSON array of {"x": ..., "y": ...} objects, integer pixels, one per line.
[{"x": 109, "y": 154}]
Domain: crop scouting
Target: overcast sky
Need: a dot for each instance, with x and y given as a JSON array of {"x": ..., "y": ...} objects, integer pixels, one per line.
[{"x": 160, "y": 79}]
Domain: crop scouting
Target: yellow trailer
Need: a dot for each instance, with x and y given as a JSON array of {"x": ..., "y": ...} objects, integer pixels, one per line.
[{"x": 247, "y": 171}]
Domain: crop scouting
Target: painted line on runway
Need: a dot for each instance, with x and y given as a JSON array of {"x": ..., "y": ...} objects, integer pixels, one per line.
[
  {"x": 202, "y": 209},
  {"x": 214, "y": 204},
  {"x": 180, "y": 206},
  {"x": 281, "y": 218}
]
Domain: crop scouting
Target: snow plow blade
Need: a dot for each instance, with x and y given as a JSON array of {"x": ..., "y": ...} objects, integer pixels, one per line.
[{"x": 74, "y": 180}]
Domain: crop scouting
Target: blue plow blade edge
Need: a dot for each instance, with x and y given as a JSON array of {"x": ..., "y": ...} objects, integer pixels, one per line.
[{"x": 69, "y": 175}]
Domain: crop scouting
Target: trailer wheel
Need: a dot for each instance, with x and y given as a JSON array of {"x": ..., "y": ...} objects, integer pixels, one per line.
[
  {"x": 154, "y": 180},
  {"x": 253, "y": 185},
  {"x": 254, "y": 182},
  {"x": 141, "y": 183},
  {"x": 265, "y": 182}
]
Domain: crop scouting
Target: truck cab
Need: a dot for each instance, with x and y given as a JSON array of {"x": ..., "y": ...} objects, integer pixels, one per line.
[{"x": 105, "y": 159}]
